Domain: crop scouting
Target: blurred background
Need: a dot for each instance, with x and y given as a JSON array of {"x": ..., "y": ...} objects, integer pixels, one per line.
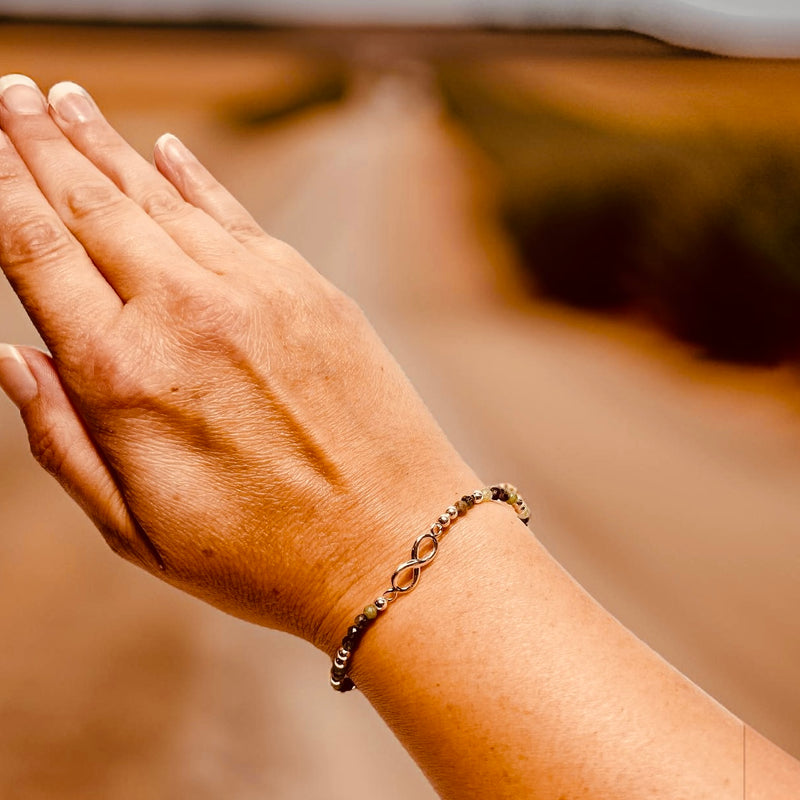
[{"x": 581, "y": 242}]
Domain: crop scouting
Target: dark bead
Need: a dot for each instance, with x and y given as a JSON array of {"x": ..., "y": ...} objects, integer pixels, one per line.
[
  {"x": 461, "y": 507},
  {"x": 496, "y": 492},
  {"x": 469, "y": 500},
  {"x": 362, "y": 621},
  {"x": 345, "y": 684},
  {"x": 349, "y": 643},
  {"x": 339, "y": 672},
  {"x": 354, "y": 633}
]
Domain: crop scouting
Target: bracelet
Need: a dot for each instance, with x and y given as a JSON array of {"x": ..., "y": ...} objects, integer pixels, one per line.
[{"x": 422, "y": 553}]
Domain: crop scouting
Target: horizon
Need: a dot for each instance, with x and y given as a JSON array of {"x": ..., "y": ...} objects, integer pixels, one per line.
[{"x": 732, "y": 27}]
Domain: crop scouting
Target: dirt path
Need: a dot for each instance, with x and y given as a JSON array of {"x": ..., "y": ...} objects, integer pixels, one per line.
[{"x": 668, "y": 488}]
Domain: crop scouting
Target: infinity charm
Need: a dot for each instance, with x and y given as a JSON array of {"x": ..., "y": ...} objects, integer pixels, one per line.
[{"x": 415, "y": 563}]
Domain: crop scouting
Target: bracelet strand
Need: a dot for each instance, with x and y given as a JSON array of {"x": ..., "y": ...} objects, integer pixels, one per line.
[{"x": 407, "y": 574}]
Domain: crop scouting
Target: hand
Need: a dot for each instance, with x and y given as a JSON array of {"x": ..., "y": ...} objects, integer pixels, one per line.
[{"x": 226, "y": 417}]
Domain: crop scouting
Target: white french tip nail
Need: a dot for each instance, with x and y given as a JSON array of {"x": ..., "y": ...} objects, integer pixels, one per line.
[
  {"x": 62, "y": 89},
  {"x": 13, "y": 79},
  {"x": 173, "y": 149},
  {"x": 16, "y": 378},
  {"x": 164, "y": 139}
]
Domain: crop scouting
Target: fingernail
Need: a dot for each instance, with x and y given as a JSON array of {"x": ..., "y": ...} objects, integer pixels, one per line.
[
  {"x": 16, "y": 379},
  {"x": 72, "y": 102},
  {"x": 174, "y": 150},
  {"x": 21, "y": 95}
]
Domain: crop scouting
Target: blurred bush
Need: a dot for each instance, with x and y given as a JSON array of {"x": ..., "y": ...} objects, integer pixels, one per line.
[{"x": 700, "y": 231}]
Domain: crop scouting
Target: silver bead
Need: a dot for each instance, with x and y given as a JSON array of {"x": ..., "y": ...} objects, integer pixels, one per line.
[
  {"x": 341, "y": 663},
  {"x": 342, "y": 653},
  {"x": 477, "y": 496},
  {"x": 436, "y": 529},
  {"x": 452, "y": 512},
  {"x": 336, "y": 684},
  {"x": 444, "y": 520},
  {"x": 381, "y": 603}
]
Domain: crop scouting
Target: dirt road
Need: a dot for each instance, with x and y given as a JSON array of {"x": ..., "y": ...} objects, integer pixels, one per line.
[{"x": 668, "y": 487}]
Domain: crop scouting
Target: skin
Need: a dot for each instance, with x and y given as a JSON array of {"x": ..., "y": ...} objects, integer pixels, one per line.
[{"x": 227, "y": 418}]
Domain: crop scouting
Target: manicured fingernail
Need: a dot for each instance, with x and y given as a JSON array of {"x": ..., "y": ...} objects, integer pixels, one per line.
[
  {"x": 174, "y": 150},
  {"x": 16, "y": 379},
  {"x": 21, "y": 95},
  {"x": 72, "y": 102}
]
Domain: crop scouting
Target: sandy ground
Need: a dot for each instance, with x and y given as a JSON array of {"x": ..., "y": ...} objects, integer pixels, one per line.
[{"x": 667, "y": 486}]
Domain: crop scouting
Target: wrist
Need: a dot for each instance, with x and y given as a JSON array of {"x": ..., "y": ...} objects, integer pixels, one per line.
[
  {"x": 407, "y": 575},
  {"x": 381, "y": 538}
]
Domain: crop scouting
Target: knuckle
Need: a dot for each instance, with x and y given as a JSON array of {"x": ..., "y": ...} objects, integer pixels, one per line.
[
  {"x": 245, "y": 229},
  {"x": 281, "y": 251},
  {"x": 118, "y": 380},
  {"x": 46, "y": 449},
  {"x": 28, "y": 239},
  {"x": 211, "y": 315},
  {"x": 11, "y": 169},
  {"x": 164, "y": 204},
  {"x": 215, "y": 324},
  {"x": 86, "y": 199}
]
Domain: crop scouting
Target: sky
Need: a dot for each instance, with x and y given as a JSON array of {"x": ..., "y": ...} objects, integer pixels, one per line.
[{"x": 741, "y": 27}]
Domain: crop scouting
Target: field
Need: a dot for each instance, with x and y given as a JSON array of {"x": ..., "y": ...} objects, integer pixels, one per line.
[{"x": 661, "y": 184}]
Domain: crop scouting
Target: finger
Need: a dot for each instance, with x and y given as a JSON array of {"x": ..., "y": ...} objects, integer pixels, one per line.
[
  {"x": 61, "y": 289},
  {"x": 133, "y": 252},
  {"x": 199, "y": 187},
  {"x": 200, "y": 236},
  {"x": 60, "y": 443}
]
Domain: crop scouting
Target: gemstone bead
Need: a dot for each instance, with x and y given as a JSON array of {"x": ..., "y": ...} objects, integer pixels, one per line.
[
  {"x": 461, "y": 507},
  {"x": 370, "y": 612}
]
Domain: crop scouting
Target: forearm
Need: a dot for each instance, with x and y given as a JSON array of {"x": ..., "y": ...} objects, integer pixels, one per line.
[{"x": 504, "y": 679}]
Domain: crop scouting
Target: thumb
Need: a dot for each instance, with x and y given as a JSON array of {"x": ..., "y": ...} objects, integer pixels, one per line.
[{"x": 61, "y": 444}]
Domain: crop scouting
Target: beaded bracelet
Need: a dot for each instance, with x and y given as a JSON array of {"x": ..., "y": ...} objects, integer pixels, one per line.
[{"x": 422, "y": 553}]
